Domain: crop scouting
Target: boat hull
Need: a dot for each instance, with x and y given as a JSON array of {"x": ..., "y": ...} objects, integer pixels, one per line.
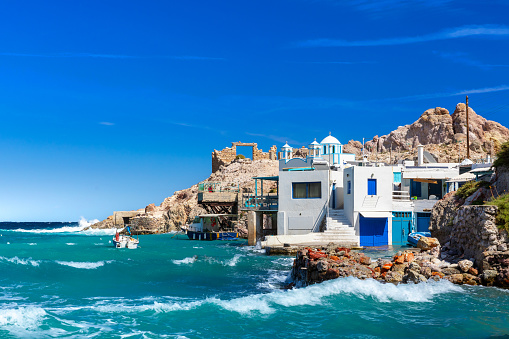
[
  {"x": 413, "y": 238},
  {"x": 125, "y": 242},
  {"x": 212, "y": 235}
]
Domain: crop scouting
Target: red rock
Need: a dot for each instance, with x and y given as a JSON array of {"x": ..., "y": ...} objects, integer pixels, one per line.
[
  {"x": 440, "y": 274},
  {"x": 387, "y": 266},
  {"x": 317, "y": 255},
  {"x": 473, "y": 271},
  {"x": 365, "y": 260},
  {"x": 409, "y": 257},
  {"x": 399, "y": 260},
  {"x": 333, "y": 257}
]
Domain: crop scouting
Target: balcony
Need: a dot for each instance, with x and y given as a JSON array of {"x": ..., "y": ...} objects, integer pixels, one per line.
[{"x": 250, "y": 202}]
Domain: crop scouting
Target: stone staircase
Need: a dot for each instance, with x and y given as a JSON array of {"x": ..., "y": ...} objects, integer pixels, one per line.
[{"x": 339, "y": 230}]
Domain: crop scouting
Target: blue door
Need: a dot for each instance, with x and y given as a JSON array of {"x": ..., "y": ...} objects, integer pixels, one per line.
[
  {"x": 371, "y": 186},
  {"x": 415, "y": 189},
  {"x": 334, "y": 195},
  {"x": 373, "y": 231},
  {"x": 423, "y": 221},
  {"x": 401, "y": 226}
]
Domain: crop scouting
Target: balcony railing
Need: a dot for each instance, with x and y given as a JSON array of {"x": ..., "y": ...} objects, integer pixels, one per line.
[
  {"x": 257, "y": 203},
  {"x": 218, "y": 187},
  {"x": 400, "y": 195}
]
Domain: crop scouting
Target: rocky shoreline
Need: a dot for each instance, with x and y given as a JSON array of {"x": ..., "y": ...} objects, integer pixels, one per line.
[{"x": 416, "y": 265}]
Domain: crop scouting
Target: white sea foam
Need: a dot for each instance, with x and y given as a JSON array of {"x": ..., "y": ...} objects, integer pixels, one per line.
[
  {"x": 70, "y": 243},
  {"x": 233, "y": 261},
  {"x": 80, "y": 229},
  {"x": 186, "y": 261},
  {"x": 314, "y": 295},
  {"x": 23, "y": 317},
  {"x": 32, "y": 243},
  {"x": 275, "y": 280},
  {"x": 157, "y": 307},
  {"x": 21, "y": 261},
  {"x": 84, "y": 265}
]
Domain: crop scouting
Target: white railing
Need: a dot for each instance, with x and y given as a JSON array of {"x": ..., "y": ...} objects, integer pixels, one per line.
[{"x": 400, "y": 195}]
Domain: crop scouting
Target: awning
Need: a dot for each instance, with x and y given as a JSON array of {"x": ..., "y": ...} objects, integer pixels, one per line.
[
  {"x": 376, "y": 214},
  {"x": 426, "y": 180},
  {"x": 463, "y": 178}
]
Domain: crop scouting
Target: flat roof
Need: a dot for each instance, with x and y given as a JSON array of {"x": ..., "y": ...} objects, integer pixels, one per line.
[{"x": 274, "y": 178}]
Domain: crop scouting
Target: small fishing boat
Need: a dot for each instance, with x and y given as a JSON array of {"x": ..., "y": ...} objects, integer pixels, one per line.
[
  {"x": 211, "y": 227},
  {"x": 125, "y": 241},
  {"x": 413, "y": 238}
]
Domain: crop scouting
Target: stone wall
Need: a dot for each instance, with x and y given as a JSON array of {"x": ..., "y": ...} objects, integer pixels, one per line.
[
  {"x": 228, "y": 154},
  {"x": 474, "y": 231},
  {"x": 149, "y": 225}
]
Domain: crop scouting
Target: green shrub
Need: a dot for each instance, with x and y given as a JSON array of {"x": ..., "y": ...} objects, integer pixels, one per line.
[
  {"x": 502, "y": 219},
  {"x": 240, "y": 156},
  {"x": 470, "y": 187},
  {"x": 502, "y": 156}
]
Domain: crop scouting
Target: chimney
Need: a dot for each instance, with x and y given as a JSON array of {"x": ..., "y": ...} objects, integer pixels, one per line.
[{"x": 420, "y": 155}]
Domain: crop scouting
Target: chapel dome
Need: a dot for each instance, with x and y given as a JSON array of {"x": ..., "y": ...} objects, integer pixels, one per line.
[{"x": 330, "y": 140}]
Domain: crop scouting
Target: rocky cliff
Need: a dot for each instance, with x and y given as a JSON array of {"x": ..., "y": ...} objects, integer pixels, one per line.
[{"x": 442, "y": 134}]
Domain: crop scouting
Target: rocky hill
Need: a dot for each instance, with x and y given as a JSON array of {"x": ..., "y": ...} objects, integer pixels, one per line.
[{"x": 442, "y": 134}]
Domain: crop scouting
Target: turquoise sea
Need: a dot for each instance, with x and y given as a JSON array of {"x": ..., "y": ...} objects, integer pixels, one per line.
[{"x": 58, "y": 281}]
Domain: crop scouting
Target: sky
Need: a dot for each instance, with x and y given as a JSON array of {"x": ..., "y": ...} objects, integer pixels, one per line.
[{"x": 113, "y": 105}]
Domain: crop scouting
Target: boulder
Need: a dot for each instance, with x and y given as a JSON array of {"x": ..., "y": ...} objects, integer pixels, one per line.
[
  {"x": 488, "y": 277},
  {"x": 455, "y": 278},
  {"x": 394, "y": 277},
  {"x": 465, "y": 265},
  {"x": 426, "y": 243}
]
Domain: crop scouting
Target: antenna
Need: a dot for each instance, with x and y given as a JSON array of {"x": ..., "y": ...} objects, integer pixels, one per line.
[{"x": 468, "y": 138}]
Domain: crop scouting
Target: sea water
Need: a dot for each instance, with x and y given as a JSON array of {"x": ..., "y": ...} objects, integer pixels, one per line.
[{"x": 59, "y": 281}]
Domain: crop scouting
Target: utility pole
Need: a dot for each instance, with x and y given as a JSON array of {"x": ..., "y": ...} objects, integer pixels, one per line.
[
  {"x": 390, "y": 156},
  {"x": 468, "y": 138}
]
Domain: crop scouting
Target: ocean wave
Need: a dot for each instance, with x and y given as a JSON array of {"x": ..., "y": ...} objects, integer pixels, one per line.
[
  {"x": 21, "y": 261},
  {"x": 275, "y": 280},
  {"x": 86, "y": 223},
  {"x": 352, "y": 287},
  {"x": 186, "y": 261},
  {"x": 79, "y": 229},
  {"x": 23, "y": 317},
  {"x": 84, "y": 265},
  {"x": 70, "y": 243},
  {"x": 32, "y": 243},
  {"x": 233, "y": 261}
]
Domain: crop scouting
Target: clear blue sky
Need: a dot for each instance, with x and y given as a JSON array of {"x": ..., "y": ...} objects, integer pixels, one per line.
[{"x": 112, "y": 105}]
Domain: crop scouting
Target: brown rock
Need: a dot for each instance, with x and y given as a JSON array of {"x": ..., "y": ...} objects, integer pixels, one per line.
[
  {"x": 455, "y": 278},
  {"x": 364, "y": 260},
  {"x": 399, "y": 259},
  {"x": 473, "y": 271},
  {"x": 426, "y": 243},
  {"x": 393, "y": 277},
  {"x": 398, "y": 268}
]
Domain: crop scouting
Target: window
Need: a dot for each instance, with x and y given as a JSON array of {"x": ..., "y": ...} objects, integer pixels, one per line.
[
  {"x": 397, "y": 177},
  {"x": 324, "y": 149},
  {"x": 306, "y": 190},
  {"x": 349, "y": 187},
  {"x": 371, "y": 186}
]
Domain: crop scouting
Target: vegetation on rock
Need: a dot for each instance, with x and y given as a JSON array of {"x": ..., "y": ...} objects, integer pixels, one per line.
[
  {"x": 502, "y": 156},
  {"x": 470, "y": 188},
  {"x": 240, "y": 156},
  {"x": 502, "y": 219}
]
